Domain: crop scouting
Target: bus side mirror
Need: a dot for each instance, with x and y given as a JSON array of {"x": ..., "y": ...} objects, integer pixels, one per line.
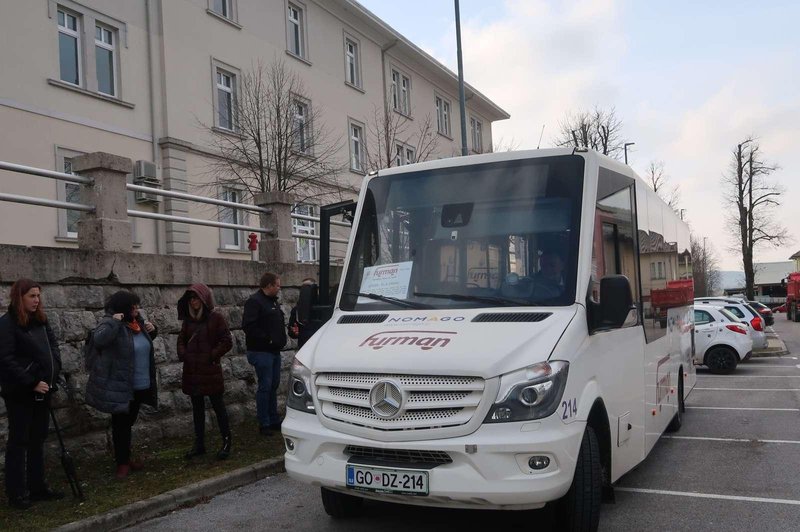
[{"x": 616, "y": 303}]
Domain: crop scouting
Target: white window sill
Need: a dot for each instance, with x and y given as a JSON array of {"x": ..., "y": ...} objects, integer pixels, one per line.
[
  {"x": 401, "y": 113},
  {"x": 355, "y": 87},
  {"x": 234, "y": 251},
  {"x": 359, "y": 172},
  {"x": 224, "y": 19},
  {"x": 299, "y": 58},
  {"x": 229, "y": 132},
  {"x": 80, "y": 90},
  {"x": 445, "y": 135},
  {"x": 67, "y": 239}
]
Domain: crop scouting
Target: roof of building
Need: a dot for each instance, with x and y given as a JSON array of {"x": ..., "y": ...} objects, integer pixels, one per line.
[
  {"x": 772, "y": 272},
  {"x": 395, "y": 38},
  {"x": 795, "y": 256}
]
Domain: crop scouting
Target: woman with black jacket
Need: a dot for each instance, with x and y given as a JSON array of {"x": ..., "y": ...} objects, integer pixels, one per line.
[
  {"x": 29, "y": 366},
  {"x": 122, "y": 373}
]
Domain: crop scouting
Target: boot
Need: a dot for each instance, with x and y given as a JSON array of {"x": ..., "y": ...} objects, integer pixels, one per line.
[
  {"x": 123, "y": 470},
  {"x": 225, "y": 451},
  {"x": 197, "y": 449}
]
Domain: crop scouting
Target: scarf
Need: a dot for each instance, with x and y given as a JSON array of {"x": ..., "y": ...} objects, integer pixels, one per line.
[
  {"x": 134, "y": 326},
  {"x": 196, "y": 316}
]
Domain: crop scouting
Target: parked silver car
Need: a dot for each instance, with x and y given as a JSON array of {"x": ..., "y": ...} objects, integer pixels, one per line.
[{"x": 756, "y": 325}]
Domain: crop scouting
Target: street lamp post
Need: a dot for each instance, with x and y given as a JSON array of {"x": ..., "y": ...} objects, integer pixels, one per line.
[
  {"x": 461, "y": 100},
  {"x": 625, "y": 147}
]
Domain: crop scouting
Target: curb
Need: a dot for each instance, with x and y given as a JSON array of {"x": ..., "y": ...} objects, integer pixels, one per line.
[{"x": 139, "y": 511}]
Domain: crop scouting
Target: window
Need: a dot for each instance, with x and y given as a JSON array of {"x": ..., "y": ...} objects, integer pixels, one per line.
[
  {"x": 72, "y": 194},
  {"x": 351, "y": 62},
  {"x": 401, "y": 92},
  {"x": 442, "y": 116},
  {"x": 225, "y": 99},
  {"x": 736, "y": 312},
  {"x": 296, "y": 37},
  {"x": 476, "y": 129},
  {"x": 69, "y": 46},
  {"x": 221, "y": 7},
  {"x": 301, "y": 133},
  {"x": 404, "y": 155},
  {"x": 104, "y": 59},
  {"x": 231, "y": 238},
  {"x": 356, "y": 147},
  {"x": 306, "y": 248},
  {"x": 701, "y": 317}
]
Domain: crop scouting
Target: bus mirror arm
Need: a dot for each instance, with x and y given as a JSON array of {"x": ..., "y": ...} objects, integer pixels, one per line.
[{"x": 615, "y": 304}]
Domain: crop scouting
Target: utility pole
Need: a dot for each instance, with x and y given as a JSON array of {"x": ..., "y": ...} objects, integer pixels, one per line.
[
  {"x": 625, "y": 147},
  {"x": 461, "y": 101}
]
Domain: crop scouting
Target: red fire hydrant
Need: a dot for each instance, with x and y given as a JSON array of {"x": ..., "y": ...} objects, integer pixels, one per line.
[{"x": 252, "y": 242}]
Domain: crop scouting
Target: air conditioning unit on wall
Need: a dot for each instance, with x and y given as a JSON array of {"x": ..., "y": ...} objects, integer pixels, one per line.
[{"x": 144, "y": 174}]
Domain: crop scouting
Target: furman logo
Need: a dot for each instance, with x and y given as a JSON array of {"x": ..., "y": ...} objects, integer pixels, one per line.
[{"x": 425, "y": 340}]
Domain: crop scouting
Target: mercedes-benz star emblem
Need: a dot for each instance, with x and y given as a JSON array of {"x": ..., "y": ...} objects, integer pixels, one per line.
[{"x": 386, "y": 399}]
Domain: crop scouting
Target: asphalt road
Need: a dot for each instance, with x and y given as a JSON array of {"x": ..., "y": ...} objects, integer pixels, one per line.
[{"x": 733, "y": 466}]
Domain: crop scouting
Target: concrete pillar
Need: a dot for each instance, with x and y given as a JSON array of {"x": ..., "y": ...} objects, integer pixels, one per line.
[
  {"x": 173, "y": 174},
  {"x": 278, "y": 248},
  {"x": 108, "y": 228}
]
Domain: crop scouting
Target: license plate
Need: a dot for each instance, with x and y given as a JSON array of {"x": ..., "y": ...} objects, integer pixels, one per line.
[{"x": 406, "y": 481}]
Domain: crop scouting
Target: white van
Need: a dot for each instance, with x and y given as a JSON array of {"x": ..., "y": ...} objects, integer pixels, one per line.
[{"x": 492, "y": 344}]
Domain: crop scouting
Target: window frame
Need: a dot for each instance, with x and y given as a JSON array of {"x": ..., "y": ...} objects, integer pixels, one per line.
[
  {"x": 351, "y": 124},
  {"x": 62, "y": 156},
  {"x": 443, "y": 116},
  {"x": 231, "y": 18},
  {"x": 711, "y": 318},
  {"x": 302, "y": 27},
  {"x": 476, "y": 133},
  {"x": 401, "y": 91},
  {"x": 298, "y": 102},
  {"x": 216, "y": 68},
  {"x": 112, "y": 47},
  {"x": 76, "y": 34},
  {"x": 402, "y": 151},
  {"x": 239, "y": 217},
  {"x": 356, "y": 55},
  {"x": 307, "y": 227}
]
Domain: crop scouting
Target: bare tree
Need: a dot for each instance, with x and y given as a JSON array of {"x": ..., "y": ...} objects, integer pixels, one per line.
[
  {"x": 705, "y": 268},
  {"x": 502, "y": 144},
  {"x": 598, "y": 129},
  {"x": 278, "y": 141},
  {"x": 752, "y": 198},
  {"x": 658, "y": 180},
  {"x": 392, "y": 138}
]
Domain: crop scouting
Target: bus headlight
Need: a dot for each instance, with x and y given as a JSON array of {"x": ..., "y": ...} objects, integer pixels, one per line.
[
  {"x": 530, "y": 393},
  {"x": 299, "y": 396}
]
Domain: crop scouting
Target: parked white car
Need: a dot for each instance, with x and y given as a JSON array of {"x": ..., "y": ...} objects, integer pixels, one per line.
[
  {"x": 756, "y": 325},
  {"x": 721, "y": 340}
]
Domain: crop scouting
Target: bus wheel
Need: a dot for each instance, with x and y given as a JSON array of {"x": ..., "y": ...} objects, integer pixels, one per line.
[
  {"x": 340, "y": 505},
  {"x": 579, "y": 509},
  {"x": 721, "y": 360},
  {"x": 677, "y": 419}
]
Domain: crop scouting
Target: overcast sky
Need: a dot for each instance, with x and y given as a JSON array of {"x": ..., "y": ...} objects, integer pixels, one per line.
[{"x": 689, "y": 79}]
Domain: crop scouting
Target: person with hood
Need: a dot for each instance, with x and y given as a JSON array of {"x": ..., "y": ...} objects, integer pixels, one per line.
[
  {"x": 122, "y": 372},
  {"x": 204, "y": 338},
  {"x": 29, "y": 366},
  {"x": 298, "y": 329}
]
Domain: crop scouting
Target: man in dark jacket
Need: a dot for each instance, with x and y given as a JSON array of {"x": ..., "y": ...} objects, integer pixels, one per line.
[{"x": 264, "y": 327}]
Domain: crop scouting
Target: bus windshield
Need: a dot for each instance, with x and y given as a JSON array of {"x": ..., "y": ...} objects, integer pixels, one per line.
[{"x": 484, "y": 235}]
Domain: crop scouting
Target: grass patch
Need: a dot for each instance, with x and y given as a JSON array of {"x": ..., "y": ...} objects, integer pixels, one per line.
[{"x": 165, "y": 470}]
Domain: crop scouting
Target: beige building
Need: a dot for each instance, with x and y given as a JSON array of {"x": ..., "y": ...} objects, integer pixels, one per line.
[{"x": 152, "y": 80}]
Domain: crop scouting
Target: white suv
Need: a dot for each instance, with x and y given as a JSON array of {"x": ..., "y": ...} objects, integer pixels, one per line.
[
  {"x": 756, "y": 325},
  {"x": 721, "y": 341}
]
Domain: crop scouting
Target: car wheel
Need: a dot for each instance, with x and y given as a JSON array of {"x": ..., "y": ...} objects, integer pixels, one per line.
[
  {"x": 579, "y": 509},
  {"x": 677, "y": 419},
  {"x": 340, "y": 505},
  {"x": 721, "y": 360}
]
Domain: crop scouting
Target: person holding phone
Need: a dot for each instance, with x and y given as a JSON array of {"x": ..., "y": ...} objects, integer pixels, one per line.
[
  {"x": 124, "y": 340},
  {"x": 30, "y": 363}
]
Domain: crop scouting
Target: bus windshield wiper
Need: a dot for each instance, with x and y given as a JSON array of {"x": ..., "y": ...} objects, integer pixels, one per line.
[
  {"x": 483, "y": 299},
  {"x": 389, "y": 299}
]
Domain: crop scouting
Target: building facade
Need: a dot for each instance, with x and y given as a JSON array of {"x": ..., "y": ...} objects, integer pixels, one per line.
[{"x": 157, "y": 81}]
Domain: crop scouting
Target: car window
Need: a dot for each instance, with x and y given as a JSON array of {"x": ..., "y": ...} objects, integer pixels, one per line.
[
  {"x": 701, "y": 317},
  {"x": 735, "y": 311},
  {"x": 729, "y": 315},
  {"x": 751, "y": 310}
]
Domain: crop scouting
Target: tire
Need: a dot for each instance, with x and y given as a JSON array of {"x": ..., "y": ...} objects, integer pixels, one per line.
[
  {"x": 677, "y": 419},
  {"x": 579, "y": 509},
  {"x": 721, "y": 360},
  {"x": 340, "y": 505}
]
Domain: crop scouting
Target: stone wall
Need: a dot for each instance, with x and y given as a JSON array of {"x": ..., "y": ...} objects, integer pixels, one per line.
[{"x": 76, "y": 284}]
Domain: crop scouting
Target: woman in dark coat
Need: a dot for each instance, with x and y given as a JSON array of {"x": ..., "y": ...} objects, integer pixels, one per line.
[
  {"x": 203, "y": 340},
  {"x": 29, "y": 366},
  {"x": 122, "y": 373}
]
